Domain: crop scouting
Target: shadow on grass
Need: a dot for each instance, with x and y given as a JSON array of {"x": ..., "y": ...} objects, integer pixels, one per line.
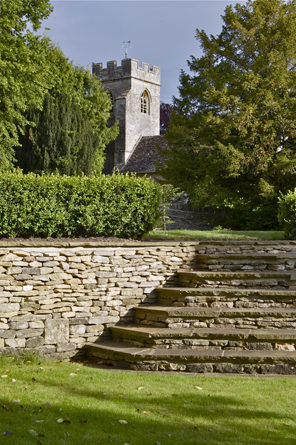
[
  {"x": 92, "y": 414},
  {"x": 221, "y": 234}
]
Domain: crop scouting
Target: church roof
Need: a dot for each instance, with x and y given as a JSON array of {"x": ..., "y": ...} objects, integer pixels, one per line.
[{"x": 145, "y": 154}]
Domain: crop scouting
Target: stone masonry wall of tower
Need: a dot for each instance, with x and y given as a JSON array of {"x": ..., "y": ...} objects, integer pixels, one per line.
[{"x": 129, "y": 83}]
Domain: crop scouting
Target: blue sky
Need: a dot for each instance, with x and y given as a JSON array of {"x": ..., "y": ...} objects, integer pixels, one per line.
[{"x": 162, "y": 33}]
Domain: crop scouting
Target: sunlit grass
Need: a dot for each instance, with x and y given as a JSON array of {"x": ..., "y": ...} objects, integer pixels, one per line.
[
  {"x": 214, "y": 234},
  {"x": 74, "y": 403}
]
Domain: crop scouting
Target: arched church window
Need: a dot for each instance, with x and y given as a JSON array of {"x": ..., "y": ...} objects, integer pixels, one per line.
[{"x": 145, "y": 103}]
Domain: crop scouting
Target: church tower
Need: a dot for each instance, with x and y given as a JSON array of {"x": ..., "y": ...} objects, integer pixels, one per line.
[{"x": 135, "y": 94}]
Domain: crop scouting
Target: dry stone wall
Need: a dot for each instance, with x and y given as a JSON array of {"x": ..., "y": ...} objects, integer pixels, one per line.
[
  {"x": 56, "y": 298},
  {"x": 246, "y": 247}
]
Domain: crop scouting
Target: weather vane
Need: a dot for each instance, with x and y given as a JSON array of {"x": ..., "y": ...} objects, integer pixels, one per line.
[{"x": 126, "y": 46}]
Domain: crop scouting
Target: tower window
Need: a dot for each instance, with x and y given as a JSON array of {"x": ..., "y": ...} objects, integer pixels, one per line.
[{"x": 145, "y": 105}]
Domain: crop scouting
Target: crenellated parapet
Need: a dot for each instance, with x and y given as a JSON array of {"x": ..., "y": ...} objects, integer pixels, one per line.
[{"x": 128, "y": 68}]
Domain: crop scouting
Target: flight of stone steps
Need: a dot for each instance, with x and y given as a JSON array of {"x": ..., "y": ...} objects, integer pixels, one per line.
[{"x": 235, "y": 313}]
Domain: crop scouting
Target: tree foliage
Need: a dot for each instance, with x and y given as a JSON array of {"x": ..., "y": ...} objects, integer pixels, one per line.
[
  {"x": 287, "y": 214},
  {"x": 24, "y": 72},
  {"x": 233, "y": 129},
  {"x": 70, "y": 133},
  {"x": 165, "y": 116},
  {"x": 61, "y": 140},
  {"x": 55, "y": 113}
]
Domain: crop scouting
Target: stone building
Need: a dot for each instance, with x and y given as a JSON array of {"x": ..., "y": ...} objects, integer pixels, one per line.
[{"x": 135, "y": 94}]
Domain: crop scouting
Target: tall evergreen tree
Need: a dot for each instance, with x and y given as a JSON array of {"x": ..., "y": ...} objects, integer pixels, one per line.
[
  {"x": 233, "y": 129},
  {"x": 61, "y": 141},
  {"x": 70, "y": 133}
]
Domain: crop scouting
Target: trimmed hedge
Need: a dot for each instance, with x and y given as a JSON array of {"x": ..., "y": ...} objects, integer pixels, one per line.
[
  {"x": 287, "y": 214},
  {"x": 58, "y": 206}
]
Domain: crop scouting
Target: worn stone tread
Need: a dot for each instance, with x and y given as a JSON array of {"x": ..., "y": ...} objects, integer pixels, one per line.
[
  {"x": 236, "y": 274},
  {"x": 246, "y": 256},
  {"x": 117, "y": 347},
  {"x": 221, "y": 291},
  {"x": 139, "y": 331},
  {"x": 216, "y": 312},
  {"x": 115, "y": 350},
  {"x": 148, "y": 331}
]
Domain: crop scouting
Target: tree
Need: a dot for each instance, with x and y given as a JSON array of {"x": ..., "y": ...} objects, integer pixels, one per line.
[
  {"x": 70, "y": 133},
  {"x": 165, "y": 116},
  {"x": 33, "y": 69},
  {"x": 232, "y": 136},
  {"x": 61, "y": 141},
  {"x": 24, "y": 73}
]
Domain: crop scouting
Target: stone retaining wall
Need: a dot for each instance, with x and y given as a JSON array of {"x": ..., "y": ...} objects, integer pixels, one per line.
[
  {"x": 246, "y": 247},
  {"x": 56, "y": 298}
]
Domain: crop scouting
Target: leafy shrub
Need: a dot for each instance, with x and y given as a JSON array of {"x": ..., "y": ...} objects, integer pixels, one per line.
[
  {"x": 287, "y": 214},
  {"x": 118, "y": 205}
]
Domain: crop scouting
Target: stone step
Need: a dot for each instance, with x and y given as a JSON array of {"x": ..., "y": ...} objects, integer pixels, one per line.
[
  {"x": 235, "y": 314},
  {"x": 208, "y": 338},
  {"x": 241, "y": 279},
  {"x": 239, "y": 261},
  {"x": 246, "y": 246},
  {"x": 188, "y": 360},
  {"x": 188, "y": 317},
  {"x": 226, "y": 296}
]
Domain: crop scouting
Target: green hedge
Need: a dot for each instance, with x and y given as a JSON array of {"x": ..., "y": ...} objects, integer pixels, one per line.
[
  {"x": 57, "y": 206},
  {"x": 287, "y": 214}
]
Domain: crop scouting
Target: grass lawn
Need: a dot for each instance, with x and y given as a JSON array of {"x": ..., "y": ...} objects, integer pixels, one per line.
[
  {"x": 73, "y": 403},
  {"x": 214, "y": 234}
]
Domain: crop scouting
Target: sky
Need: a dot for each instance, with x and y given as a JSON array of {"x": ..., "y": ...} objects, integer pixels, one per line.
[{"x": 162, "y": 33}]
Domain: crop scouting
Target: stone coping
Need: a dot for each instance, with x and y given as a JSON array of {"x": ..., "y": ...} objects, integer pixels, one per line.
[
  {"x": 95, "y": 243},
  {"x": 139, "y": 243},
  {"x": 254, "y": 241}
]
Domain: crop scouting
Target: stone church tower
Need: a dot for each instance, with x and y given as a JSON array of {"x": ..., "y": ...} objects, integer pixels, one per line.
[{"x": 135, "y": 94}]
